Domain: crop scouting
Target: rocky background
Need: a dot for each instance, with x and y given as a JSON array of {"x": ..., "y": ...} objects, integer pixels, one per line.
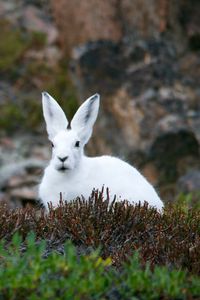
[{"x": 142, "y": 56}]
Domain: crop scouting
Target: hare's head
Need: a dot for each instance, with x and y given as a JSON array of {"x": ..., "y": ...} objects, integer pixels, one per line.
[{"x": 68, "y": 140}]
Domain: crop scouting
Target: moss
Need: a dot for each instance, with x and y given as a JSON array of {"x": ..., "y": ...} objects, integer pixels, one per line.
[
  {"x": 62, "y": 89},
  {"x": 26, "y": 112},
  {"x": 12, "y": 45},
  {"x": 33, "y": 113},
  {"x": 56, "y": 82},
  {"x": 38, "y": 39},
  {"x": 12, "y": 117}
]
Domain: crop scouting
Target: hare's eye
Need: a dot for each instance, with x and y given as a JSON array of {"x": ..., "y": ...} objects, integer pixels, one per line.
[
  {"x": 52, "y": 145},
  {"x": 77, "y": 144}
]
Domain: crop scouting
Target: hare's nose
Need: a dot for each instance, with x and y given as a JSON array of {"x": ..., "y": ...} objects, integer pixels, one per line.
[{"x": 63, "y": 158}]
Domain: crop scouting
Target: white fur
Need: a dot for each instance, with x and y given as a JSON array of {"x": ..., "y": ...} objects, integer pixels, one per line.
[{"x": 82, "y": 174}]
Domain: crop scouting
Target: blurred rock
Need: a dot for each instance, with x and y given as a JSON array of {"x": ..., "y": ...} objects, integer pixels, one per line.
[
  {"x": 91, "y": 21},
  {"x": 127, "y": 20},
  {"x": 17, "y": 181},
  {"x": 24, "y": 193},
  {"x": 146, "y": 74},
  {"x": 190, "y": 182},
  {"x": 20, "y": 180},
  {"x": 19, "y": 177},
  {"x": 51, "y": 54},
  {"x": 34, "y": 19},
  {"x": 142, "y": 59},
  {"x": 190, "y": 19},
  {"x": 149, "y": 105},
  {"x": 151, "y": 173}
]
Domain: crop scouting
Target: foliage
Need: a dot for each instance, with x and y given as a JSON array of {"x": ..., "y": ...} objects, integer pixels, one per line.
[
  {"x": 38, "y": 39},
  {"x": 60, "y": 86},
  {"x": 168, "y": 239},
  {"x": 27, "y": 273},
  {"x": 12, "y": 45},
  {"x": 186, "y": 201},
  {"x": 161, "y": 283},
  {"x": 12, "y": 116},
  {"x": 30, "y": 276},
  {"x": 26, "y": 112}
]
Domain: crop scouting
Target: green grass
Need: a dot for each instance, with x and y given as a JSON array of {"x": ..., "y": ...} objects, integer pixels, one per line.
[{"x": 26, "y": 272}]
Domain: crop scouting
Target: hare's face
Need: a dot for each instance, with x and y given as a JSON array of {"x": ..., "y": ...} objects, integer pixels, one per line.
[
  {"x": 68, "y": 143},
  {"x": 66, "y": 151}
]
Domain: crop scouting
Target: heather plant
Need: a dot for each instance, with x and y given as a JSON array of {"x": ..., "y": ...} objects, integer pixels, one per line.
[{"x": 170, "y": 239}]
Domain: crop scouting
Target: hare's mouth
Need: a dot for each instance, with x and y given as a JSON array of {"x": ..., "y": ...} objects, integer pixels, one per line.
[{"x": 62, "y": 169}]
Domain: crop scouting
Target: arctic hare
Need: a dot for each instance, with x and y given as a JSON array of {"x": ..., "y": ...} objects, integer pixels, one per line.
[{"x": 73, "y": 174}]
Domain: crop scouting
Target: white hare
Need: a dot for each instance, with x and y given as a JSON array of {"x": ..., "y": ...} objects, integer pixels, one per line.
[{"x": 73, "y": 174}]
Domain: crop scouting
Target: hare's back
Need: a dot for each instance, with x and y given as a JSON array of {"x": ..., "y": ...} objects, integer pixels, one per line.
[
  {"x": 117, "y": 174},
  {"x": 113, "y": 167},
  {"x": 123, "y": 180}
]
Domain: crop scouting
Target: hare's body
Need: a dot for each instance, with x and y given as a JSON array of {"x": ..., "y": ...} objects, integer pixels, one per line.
[
  {"x": 72, "y": 174},
  {"x": 122, "y": 180}
]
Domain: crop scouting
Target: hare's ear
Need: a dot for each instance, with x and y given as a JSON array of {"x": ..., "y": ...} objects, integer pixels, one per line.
[
  {"x": 54, "y": 115},
  {"x": 85, "y": 117}
]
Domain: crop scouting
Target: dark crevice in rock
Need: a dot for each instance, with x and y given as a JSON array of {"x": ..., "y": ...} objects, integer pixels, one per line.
[{"x": 169, "y": 148}]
